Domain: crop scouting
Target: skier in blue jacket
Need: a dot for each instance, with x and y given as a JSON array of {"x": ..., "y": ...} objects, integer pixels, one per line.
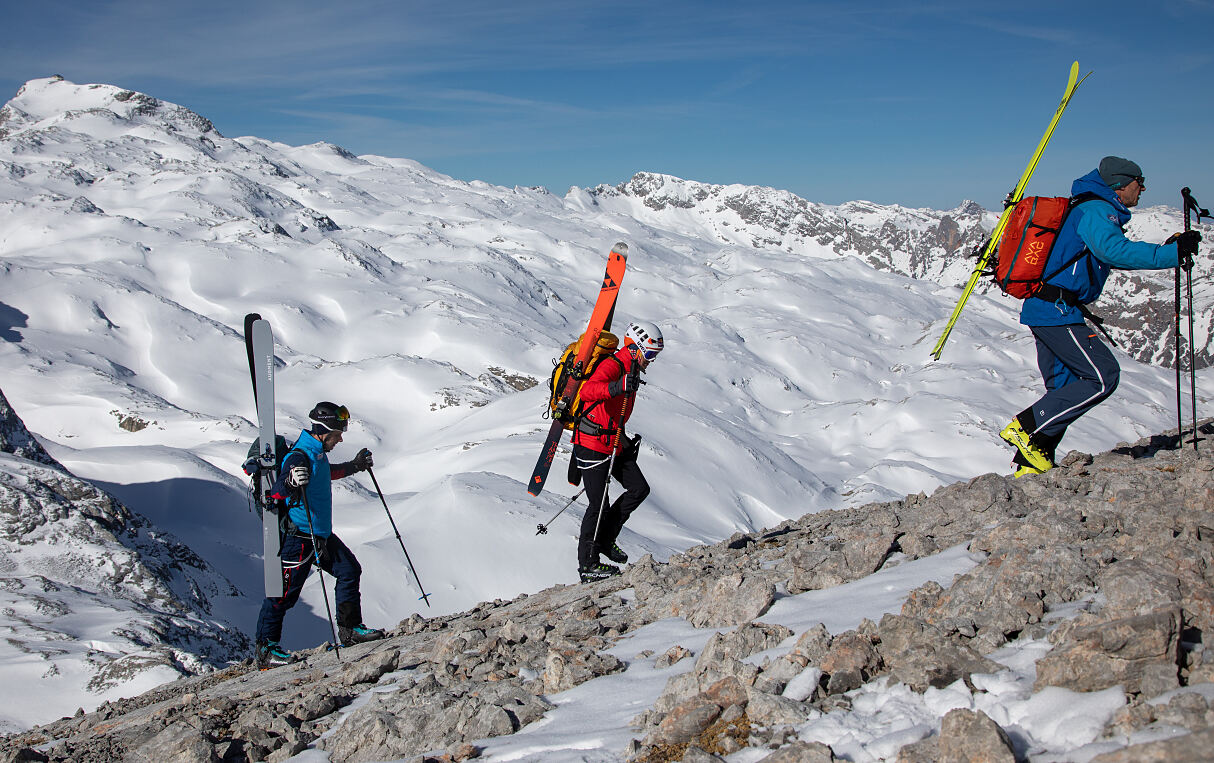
[
  {"x": 306, "y": 469},
  {"x": 1078, "y": 369}
]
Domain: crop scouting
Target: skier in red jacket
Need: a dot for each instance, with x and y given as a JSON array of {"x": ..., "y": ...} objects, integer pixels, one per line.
[{"x": 600, "y": 449}]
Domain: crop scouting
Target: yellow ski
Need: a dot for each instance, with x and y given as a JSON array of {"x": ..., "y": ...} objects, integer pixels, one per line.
[{"x": 993, "y": 244}]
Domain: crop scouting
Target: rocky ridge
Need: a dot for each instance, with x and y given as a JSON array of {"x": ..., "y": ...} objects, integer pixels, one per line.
[
  {"x": 70, "y": 552},
  {"x": 1106, "y": 563}
]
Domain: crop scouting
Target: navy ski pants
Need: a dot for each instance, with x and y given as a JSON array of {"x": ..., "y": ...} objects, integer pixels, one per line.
[
  {"x": 1079, "y": 371},
  {"x": 600, "y": 533},
  {"x": 297, "y": 560}
]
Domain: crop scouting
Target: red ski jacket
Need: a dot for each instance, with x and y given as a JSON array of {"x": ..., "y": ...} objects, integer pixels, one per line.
[{"x": 603, "y": 416}]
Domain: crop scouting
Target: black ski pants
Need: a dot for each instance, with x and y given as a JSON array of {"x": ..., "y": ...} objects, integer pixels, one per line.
[
  {"x": 601, "y": 531},
  {"x": 297, "y": 559}
]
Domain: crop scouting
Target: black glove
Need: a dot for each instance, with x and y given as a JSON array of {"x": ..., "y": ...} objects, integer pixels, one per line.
[
  {"x": 627, "y": 384},
  {"x": 322, "y": 550},
  {"x": 632, "y": 448},
  {"x": 1186, "y": 245},
  {"x": 363, "y": 461}
]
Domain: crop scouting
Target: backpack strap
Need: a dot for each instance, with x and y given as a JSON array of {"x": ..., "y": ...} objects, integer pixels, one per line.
[
  {"x": 285, "y": 525},
  {"x": 1074, "y": 202},
  {"x": 1053, "y": 293},
  {"x": 584, "y": 425}
]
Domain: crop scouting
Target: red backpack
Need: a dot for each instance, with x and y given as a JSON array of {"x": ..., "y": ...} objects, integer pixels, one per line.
[{"x": 1027, "y": 240}]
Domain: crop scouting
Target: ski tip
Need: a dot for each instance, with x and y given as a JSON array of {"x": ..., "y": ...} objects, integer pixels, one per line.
[{"x": 621, "y": 249}]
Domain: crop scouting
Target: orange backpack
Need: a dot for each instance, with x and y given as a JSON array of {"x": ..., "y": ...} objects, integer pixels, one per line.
[
  {"x": 562, "y": 369},
  {"x": 1028, "y": 239}
]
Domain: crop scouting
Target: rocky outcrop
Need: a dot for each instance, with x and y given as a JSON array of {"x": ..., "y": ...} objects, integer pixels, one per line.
[
  {"x": 1107, "y": 560},
  {"x": 16, "y": 439},
  {"x": 71, "y": 553}
]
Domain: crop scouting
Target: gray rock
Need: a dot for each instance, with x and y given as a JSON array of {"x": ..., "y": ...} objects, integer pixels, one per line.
[
  {"x": 1190, "y": 748},
  {"x": 851, "y": 662},
  {"x": 1140, "y": 653},
  {"x": 970, "y": 736},
  {"x": 920, "y": 656},
  {"x": 732, "y": 600},
  {"x": 740, "y": 643},
  {"x": 1135, "y": 587},
  {"x": 771, "y": 710},
  {"x": 696, "y": 755},
  {"x": 823, "y": 565},
  {"x": 372, "y": 667},
  {"x": 179, "y": 742},
  {"x": 685, "y": 722},
  {"x": 568, "y": 667},
  {"x": 801, "y": 752}
]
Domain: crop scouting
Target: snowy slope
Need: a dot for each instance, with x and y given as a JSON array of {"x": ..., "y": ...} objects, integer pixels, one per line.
[{"x": 134, "y": 238}]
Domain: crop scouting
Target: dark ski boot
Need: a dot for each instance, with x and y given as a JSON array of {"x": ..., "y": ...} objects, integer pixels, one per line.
[
  {"x": 597, "y": 571},
  {"x": 614, "y": 553},
  {"x": 359, "y": 634},
  {"x": 271, "y": 655}
]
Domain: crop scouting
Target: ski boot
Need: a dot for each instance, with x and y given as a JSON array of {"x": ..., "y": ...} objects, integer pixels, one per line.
[
  {"x": 271, "y": 655},
  {"x": 614, "y": 553},
  {"x": 1037, "y": 458},
  {"x": 359, "y": 634},
  {"x": 597, "y": 571}
]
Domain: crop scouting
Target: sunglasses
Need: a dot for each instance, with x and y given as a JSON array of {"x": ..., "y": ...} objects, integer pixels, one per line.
[
  {"x": 1142, "y": 182},
  {"x": 649, "y": 354}
]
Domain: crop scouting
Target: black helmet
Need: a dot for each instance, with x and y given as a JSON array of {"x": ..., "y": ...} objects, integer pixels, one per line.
[{"x": 330, "y": 417}]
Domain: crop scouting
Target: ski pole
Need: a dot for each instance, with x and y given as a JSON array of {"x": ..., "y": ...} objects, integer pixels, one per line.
[
  {"x": 1191, "y": 205},
  {"x": 321, "y": 573},
  {"x": 542, "y": 529},
  {"x": 425, "y": 596},
  {"x": 598, "y": 521},
  {"x": 1178, "y": 332}
]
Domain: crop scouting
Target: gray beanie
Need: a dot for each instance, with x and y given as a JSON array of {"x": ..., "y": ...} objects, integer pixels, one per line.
[{"x": 1118, "y": 172}]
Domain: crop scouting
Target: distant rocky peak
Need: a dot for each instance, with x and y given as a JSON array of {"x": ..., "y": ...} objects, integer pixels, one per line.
[
  {"x": 16, "y": 439},
  {"x": 55, "y": 99}
]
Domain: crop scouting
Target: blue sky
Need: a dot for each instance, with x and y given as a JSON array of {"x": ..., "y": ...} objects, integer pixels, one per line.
[{"x": 917, "y": 103}]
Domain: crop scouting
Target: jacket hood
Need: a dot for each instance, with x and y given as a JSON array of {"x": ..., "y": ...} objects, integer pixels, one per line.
[{"x": 1093, "y": 183}]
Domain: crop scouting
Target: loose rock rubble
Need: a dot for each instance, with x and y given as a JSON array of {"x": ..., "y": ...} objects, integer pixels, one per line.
[{"x": 1108, "y": 558}]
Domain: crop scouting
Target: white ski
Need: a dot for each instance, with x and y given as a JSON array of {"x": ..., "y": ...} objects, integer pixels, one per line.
[{"x": 260, "y": 340}]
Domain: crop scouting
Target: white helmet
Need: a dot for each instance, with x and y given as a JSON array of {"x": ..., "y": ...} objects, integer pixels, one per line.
[{"x": 646, "y": 336}]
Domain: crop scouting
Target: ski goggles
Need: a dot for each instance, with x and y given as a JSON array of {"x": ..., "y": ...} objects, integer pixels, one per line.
[
  {"x": 337, "y": 421},
  {"x": 649, "y": 354}
]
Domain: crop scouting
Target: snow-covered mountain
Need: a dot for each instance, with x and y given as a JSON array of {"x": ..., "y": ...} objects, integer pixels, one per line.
[
  {"x": 1138, "y": 307},
  {"x": 134, "y": 238}
]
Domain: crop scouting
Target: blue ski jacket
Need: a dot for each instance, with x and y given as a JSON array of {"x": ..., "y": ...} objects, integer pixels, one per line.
[
  {"x": 1095, "y": 231},
  {"x": 310, "y": 452}
]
